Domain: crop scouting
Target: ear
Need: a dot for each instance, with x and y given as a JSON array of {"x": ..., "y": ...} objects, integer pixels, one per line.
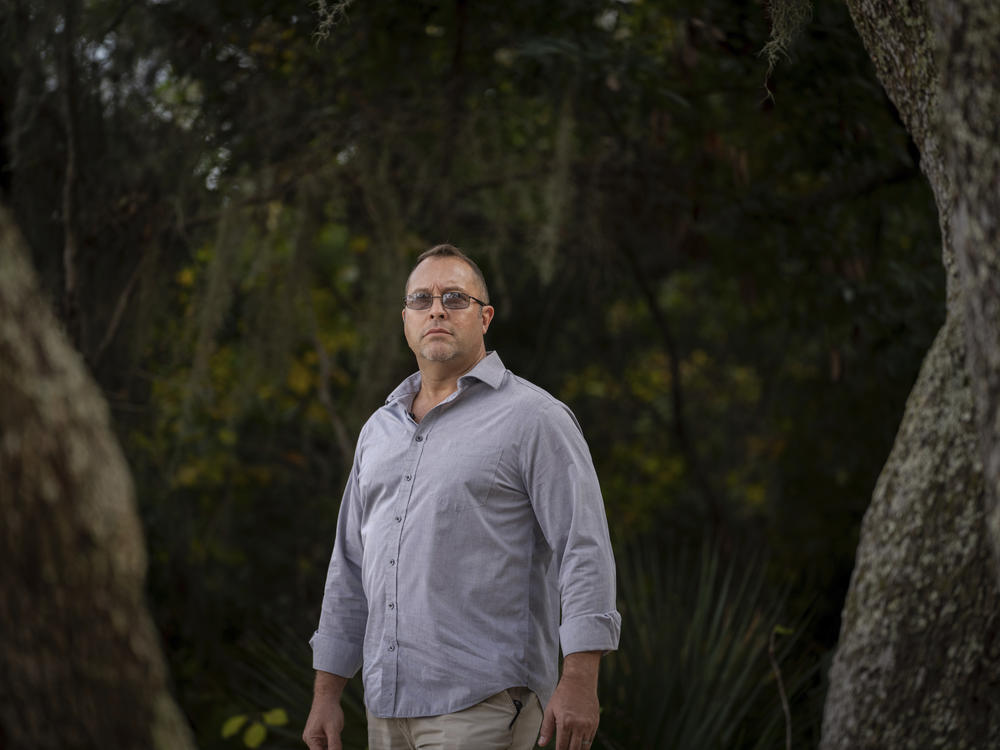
[{"x": 487, "y": 317}]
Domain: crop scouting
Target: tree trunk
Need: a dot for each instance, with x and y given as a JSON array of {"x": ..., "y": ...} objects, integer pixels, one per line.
[
  {"x": 919, "y": 654},
  {"x": 919, "y": 651},
  {"x": 80, "y": 661},
  {"x": 968, "y": 46}
]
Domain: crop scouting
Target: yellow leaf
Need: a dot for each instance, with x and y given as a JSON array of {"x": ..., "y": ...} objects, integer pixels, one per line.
[
  {"x": 276, "y": 717},
  {"x": 255, "y": 735},
  {"x": 232, "y": 725},
  {"x": 188, "y": 475},
  {"x": 316, "y": 412},
  {"x": 756, "y": 495},
  {"x": 300, "y": 379},
  {"x": 185, "y": 277},
  {"x": 359, "y": 244}
]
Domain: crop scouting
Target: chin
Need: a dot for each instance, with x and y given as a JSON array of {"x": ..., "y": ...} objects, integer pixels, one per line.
[{"x": 436, "y": 354}]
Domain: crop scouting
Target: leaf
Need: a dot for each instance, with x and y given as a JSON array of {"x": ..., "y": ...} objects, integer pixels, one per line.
[
  {"x": 276, "y": 717},
  {"x": 255, "y": 735},
  {"x": 300, "y": 379},
  {"x": 232, "y": 725},
  {"x": 188, "y": 475}
]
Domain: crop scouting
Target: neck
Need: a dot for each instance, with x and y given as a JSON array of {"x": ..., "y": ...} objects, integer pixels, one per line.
[{"x": 438, "y": 380}]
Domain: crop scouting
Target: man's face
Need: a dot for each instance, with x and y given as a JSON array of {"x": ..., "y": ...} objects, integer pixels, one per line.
[{"x": 439, "y": 334}]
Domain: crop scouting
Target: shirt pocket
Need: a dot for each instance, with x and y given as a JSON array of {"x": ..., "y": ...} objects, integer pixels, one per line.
[{"x": 469, "y": 477}]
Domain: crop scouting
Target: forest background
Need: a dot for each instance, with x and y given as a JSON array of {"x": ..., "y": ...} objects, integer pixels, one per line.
[{"x": 730, "y": 273}]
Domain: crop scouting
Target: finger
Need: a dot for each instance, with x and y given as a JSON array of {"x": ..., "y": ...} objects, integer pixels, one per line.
[
  {"x": 548, "y": 727},
  {"x": 333, "y": 739},
  {"x": 577, "y": 738},
  {"x": 563, "y": 737}
]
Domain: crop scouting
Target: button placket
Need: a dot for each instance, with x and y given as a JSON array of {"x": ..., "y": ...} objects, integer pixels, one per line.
[{"x": 390, "y": 671}]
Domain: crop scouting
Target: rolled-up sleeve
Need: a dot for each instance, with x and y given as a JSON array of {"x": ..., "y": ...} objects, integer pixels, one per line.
[
  {"x": 338, "y": 644},
  {"x": 566, "y": 497}
]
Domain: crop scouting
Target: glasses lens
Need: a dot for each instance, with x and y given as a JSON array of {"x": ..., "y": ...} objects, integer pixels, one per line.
[
  {"x": 455, "y": 300},
  {"x": 418, "y": 301}
]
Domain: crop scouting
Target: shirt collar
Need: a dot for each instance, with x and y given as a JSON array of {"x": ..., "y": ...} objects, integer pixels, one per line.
[{"x": 489, "y": 370}]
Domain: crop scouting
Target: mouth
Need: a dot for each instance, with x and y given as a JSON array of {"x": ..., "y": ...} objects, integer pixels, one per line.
[{"x": 433, "y": 331}]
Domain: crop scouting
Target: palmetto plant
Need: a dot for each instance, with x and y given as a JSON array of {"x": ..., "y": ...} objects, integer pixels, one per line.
[
  {"x": 693, "y": 670},
  {"x": 275, "y": 671}
]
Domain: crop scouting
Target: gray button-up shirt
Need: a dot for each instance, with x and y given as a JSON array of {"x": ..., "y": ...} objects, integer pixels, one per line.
[{"x": 459, "y": 540}]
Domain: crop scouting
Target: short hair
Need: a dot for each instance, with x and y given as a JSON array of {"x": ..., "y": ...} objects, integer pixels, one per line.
[{"x": 450, "y": 251}]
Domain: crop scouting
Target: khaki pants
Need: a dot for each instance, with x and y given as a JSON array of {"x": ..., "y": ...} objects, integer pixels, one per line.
[{"x": 494, "y": 724}]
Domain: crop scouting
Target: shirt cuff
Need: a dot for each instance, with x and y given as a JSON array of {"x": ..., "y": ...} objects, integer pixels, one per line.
[
  {"x": 590, "y": 633},
  {"x": 335, "y": 656}
]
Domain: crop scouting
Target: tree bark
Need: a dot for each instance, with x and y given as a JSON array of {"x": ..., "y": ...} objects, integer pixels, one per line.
[
  {"x": 918, "y": 660},
  {"x": 80, "y": 661},
  {"x": 919, "y": 651},
  {"x": 968, "y": 46}
]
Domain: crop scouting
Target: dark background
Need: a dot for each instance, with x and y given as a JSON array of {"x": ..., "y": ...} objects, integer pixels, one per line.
[{"x": 730, "y": 276}]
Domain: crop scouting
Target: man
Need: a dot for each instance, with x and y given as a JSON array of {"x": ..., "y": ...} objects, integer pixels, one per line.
[{"x": 471, "y": 537}]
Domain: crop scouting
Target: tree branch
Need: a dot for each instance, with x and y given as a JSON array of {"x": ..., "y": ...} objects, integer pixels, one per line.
[
  {"x": 678, "y": 422},
  {"x": 118, "y": 314},
  {"x": 67, "y": 91}
]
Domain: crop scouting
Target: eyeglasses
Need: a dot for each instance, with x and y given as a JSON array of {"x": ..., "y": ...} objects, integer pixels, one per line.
[{"x": 449, "y": 300}]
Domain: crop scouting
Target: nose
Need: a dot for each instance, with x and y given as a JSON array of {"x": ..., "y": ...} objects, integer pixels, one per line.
[{"x": 437, "y": 308}]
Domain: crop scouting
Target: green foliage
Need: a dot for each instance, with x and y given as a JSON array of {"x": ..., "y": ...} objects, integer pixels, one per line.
[
  {"x": 693, "y": 670},
  {"x": 273, "y": 667},
  {"x": 256, "y": 732},
  {"x": 233, "y": 725},
  {"x": 276, "y": 717},
  {"x": 732, "y": 293},
  {"x": 255, "y": 735}
]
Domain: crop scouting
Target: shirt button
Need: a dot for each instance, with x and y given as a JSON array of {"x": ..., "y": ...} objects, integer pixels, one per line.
[
  {"x": 420, "y": 438},
  {"x": 392, "y": 562},
  {"x": 407, "y": 477},
  {"x": 398, "y": 519},
  {"x": 392, "y": 648},
  {"x": 392, "y": 605}
]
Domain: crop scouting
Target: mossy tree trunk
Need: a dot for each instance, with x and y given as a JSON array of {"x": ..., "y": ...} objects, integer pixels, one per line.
[
  {"x": 80, "y": 661},
  {"x": 918, "y": 663}
]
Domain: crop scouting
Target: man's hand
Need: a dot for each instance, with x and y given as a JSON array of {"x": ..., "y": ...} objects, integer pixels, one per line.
[
  {"x": 326, "y": 718},
  {"x": 573, "y": 713}
]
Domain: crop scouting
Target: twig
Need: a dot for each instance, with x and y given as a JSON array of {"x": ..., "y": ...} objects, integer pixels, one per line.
[
  {"x": 119, "y": 312},
  {"x": 67, "y": 91},
  {"x": 781, "y": 685},
  {"x": 123, "y": 9},
  {"x": 340, "y": 434}
]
